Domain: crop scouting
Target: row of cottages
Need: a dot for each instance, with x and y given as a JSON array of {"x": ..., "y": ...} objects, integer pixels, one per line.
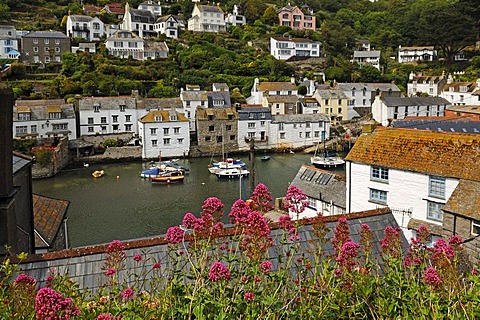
[
  {"x": 283, "y": 48},
  {"x": 386, "y": 109},
  {"x": 44, "y": 118},
  {"x": 425, "y": 177},
  {"x": 293, "y": 17}
]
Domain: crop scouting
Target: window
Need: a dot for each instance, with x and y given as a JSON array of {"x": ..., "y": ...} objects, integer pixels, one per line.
[
  {"x": 282, "y": 135},
  {"x": 35, "y": 49},
  {"x": 103, "y": 120},
  {"x": 307, "y": 134},
  {"x": 90, "y": 120},
  {"x": 379, "y": 173},
  {"x": 21, "y": 130},
  {"x": 54, "y": 115},
  {"x": 90, "y": 129},
  {"x": 307, "y": 125},
  {"x": 128, "y": 118},
  {"x": 379, "y": 196},
  {"x": 475, "y": 227},
  {"x": 219, "y": 139},
  {"x": 180, "y": 140},
  {"x": 166, "y": 141},
  {"x": 316, "y": 134},
  {"x": 96, "y": 108},
  {"x": 281, "y": 126},
  {"x": 57, "y": 49},
  {"x": 434, "y": 211},
  {"x": 262, "y": 123},
  {"x": 33, "y": 128},
  {"x": 251, "y": 125},
  {"x": 46, "y": 41},
  {"x": 300, "y": 134},
  {"x": 153, "y": 131},
  {"x": 311, "y": 203},
  {"x": 251, "y": 135},
  {"x": 208, "y": 139},
  {"x": 436, "y": 187},
  {"x": 128, "y": 127},
  {"x": 115, "y": 127},
  {"x": 35, "y": 41},
  {"x": 47, "y": 49},
  {"x": 24, "y": 116},
  {"x": 211, "y": 128},
  {"x": 60, "y": 126},
  {"x": 166, "y": 131},
  {"x": 154, "y": 143},
  {"x": 228, "y": 127},
  {"x": 122, "y": 108},
  {"x": 115, "y": 118},
  {"x": 176, "y": 130},
  {"x": 233, "y": 137}
]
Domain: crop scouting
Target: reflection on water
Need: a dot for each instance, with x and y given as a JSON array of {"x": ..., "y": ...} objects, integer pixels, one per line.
[{"x": 121, "y": 205}]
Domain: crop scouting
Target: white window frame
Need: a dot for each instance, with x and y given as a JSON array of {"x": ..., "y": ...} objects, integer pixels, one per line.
[
  {"x": 378, "y": 196},
  {"x": 378, "y": 173},
  {"x": 475, "y": 227},
  {"x": 436, "y": 187},
  {"x": 436, "y": 214}
]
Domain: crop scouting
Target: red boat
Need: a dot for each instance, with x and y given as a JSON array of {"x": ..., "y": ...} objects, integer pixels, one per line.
[{"x": 169, "y": 177}]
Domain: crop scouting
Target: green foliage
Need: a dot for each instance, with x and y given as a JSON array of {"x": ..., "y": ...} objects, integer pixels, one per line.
[
  {"x": 44, "y": 156},
  {"x": 24, "y": 146},
  {"x": 270, "y": 16},
  {"x": 110, "y": 143}
]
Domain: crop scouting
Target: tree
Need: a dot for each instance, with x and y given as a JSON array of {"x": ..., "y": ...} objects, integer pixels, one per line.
[{"x": 270, "y": 16}]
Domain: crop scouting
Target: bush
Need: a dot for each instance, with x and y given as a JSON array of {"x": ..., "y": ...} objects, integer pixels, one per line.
[
  {"x": 110, "y": 143},
  {"x": 44, "y": 156}
]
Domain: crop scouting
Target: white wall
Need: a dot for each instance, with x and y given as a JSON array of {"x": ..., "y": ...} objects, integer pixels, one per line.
[
  {"x": 134, "y": 114},
  {"x": 243, "y": 131},
  {"x": 293, "y": 138},
  {"x": 174, "y": 149},
  {"x": 405, "y": 190}
]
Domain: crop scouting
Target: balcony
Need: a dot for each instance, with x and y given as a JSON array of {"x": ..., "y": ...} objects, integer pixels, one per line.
[{"x": 257, "y": 140}]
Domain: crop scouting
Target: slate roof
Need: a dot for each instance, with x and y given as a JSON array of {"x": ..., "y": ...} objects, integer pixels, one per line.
[
  {"x": 162, "y": 103},
  {"x": 300, "y": 118},
  {"x": 323, "y": 185},
  {"x": 366, "y": 54},
  {"x": 276, "y": 86},
  {"x": 206, "y": 8},
  {"x": 457, "y": 85},
  {"x": 197, "y": 95},
  {"x": 368, "y": 86},
  {"x": 45, "y": 102},
  {"x": 465, "y": 199},
  {"x": 455, "y": 155},
  {"x": 165, "y": 114},
  {"x": 156, "y": 46},
  {"x": 137, "y": 13},
  {"x": 297, "y": 40},
  {"x": 46, "y": 34},
  {"x": 427, "y": 79},
  {"x": 219, "y": 95},
  {"x": 467, "y": 109},
  {"x": 40, "y": 112},
  {"x": 414, "y": 101},
  {"x": 331, "y": 94},
  {"x": 48, "y": 214},
  {"x": 80, "y": 18},
  {"x": 84, "y": 265},
  {"x": 441, "y": 124},
  {"x": 416, "y": 48},
  {"x": 124, "y": 35},
  {"x": 107, "y": 103},
  {"x": 255, "y": 112},
  {"x": 20, "y": 161},
  {"x": 166, "y": 17}
]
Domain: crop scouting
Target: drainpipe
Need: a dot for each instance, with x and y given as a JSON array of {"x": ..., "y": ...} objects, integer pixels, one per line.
[{"x": 349, "y": 164}]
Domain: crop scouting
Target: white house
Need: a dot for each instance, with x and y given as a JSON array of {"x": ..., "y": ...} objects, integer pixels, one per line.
[
  {"x": 261, "y": 89},
  {"x": 167, "y": 25},
  {"x": 461, "y": 93},
  {"x": 360, "y": 96},
  {"x": 298, "y": 130},
  {"x": 416, "y": 54},
  {"x": 367, "y": 57},
  {"x": 429, "y": 85},
  {"x": 283, "y": 48},
  {"x": 103, "y": 115},
  {"x": 385, "y": 109},
  {"x": 140, "y": 22},
  {"x": 192, "y": 99},
  {"x": 414, "y": 172},
  {"x": 309, "y": 105},
  {"x": 9, "y": 48},
  {"x": 206, "y": 18},
  {"x": 325, "y": 191},
  {"x": 164, "y": 133},
  {"x": 85, "y": 27},
  {"x": 125, "y": 44},
  {"x": 253, "y": 123},
  {"x": 44, "y": 118},
  {"x": 154, "y": 7},
  {"x": 234, "y": 18},
  {"x": 282, "y": 104}
]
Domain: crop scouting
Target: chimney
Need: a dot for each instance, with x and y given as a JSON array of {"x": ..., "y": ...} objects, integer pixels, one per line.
[
  {"x": 6, "y": 141},
  {"x": 411, "y": 75}
]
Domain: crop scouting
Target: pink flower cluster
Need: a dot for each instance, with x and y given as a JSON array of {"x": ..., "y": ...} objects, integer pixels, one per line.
[
  {"x": 219, "y": 271},
  {"x": 249, "y": 296},
  {"x": 214, "y": 207},
  {"x": 50, "y": 304},
  {"x": 261, "y": 198},
  {"x": 107, "y": 316},
  {"x": 137, "y": 257},
  {"x": 391, "y": 243},
  {"x": 127, "y": 294},
  {"x": 25, "y": 280},
  {"x": 341, "y": 235},
  {"x": 432, "y": 278},
  {"x": 347, "y": 255},
  {"x": 110, "y": 272},
  {"x": 296, "y": 200},
  {"x": 285, "y": 222},
  {"x": 239, "y": 212},
  {"x": 115, "y": 255},
  {"x": 174, "y": 235},
  {"x": 204, "y": 227},
  {"x": 266, "y": 267}
]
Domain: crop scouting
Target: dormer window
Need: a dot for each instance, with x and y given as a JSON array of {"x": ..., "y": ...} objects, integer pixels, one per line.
[
  {"x": 173, "y": 117},
  {"x": 96, "y": 108},
  {"x": 250, "y": 116},
  {"x": 122, "y": 107},
  {"x": 211, "y": 117},
  {"x": 158, "y": 118},
  {"x": 54, "y": 115},
  {"x": 24, "y": 116},
  {"x": 262, "y": 115},
  {"x": 463, "y": 88}
]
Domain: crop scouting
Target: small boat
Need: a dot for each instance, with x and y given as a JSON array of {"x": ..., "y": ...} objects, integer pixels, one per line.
[
  {"x": 265, "y": 158},
  {"x": 228, "y": 163},
  {"x": 327, "y": 160},
  {"x": 98, "y": 173},
  {"x": 232, "y": 173},
  {"x": 169, "y": 177},
  {"x": 151, "y": 173}
]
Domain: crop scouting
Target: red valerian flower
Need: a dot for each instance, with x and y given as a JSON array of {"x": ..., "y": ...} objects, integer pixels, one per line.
[
  {"x": 249, "y": 296},
  {"x": 266, "y": 267},
  {"x": 174, "y": 235},
  {"x": 127, "y": 294},
  {"x": 432, "y": 277},
  {"x": 218, "y": 271},
  {"x": 50, "y": 304},
  {"x": 137, "y": 257}
]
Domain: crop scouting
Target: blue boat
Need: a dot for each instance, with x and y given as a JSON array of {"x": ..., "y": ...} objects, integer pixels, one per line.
[{"x": 151, "y": 173}]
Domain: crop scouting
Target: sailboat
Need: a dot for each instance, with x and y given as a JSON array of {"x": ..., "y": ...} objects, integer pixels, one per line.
[
  {"x": 327, "y": 160},
  {"x": 226, "y": 163}
]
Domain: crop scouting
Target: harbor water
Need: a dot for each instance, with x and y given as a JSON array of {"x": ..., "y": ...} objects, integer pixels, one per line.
[{"x": 121, "y": 205}]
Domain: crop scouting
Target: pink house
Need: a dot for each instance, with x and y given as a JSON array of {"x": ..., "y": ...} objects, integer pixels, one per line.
[{"x": 294, "y": 18}]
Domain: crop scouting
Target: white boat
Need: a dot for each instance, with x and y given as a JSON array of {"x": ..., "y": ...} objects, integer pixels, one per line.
[
  {"x": 232, "y": 173},
  {"x": 326, "y": 160},
  {"x": 228, "y": 163}
]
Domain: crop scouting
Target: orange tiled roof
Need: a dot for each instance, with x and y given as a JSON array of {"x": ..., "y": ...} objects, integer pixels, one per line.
[
  {"x": 276, "y": 86},
  {"x": 454, "y": 155},
  {"x": 48, "y": 214}
]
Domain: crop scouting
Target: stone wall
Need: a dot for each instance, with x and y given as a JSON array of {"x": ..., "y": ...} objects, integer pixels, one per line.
[
  {"x": 115, "y": 154},
  {"x": 59, "y": 160},
  {"x": 100, "y": 139},
  {"x": 463, "y": 227}
]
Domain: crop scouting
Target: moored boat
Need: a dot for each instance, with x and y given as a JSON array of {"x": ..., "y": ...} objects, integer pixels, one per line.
[
  {"x": 228, "y": 163},
  {"x": 98, "y": 173},
  {"x": 232, "y": 173},
  {"x": 169, "y": 177},
  {"x": 265, "y": 158},
  {"x": 327, "y": 160}
]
